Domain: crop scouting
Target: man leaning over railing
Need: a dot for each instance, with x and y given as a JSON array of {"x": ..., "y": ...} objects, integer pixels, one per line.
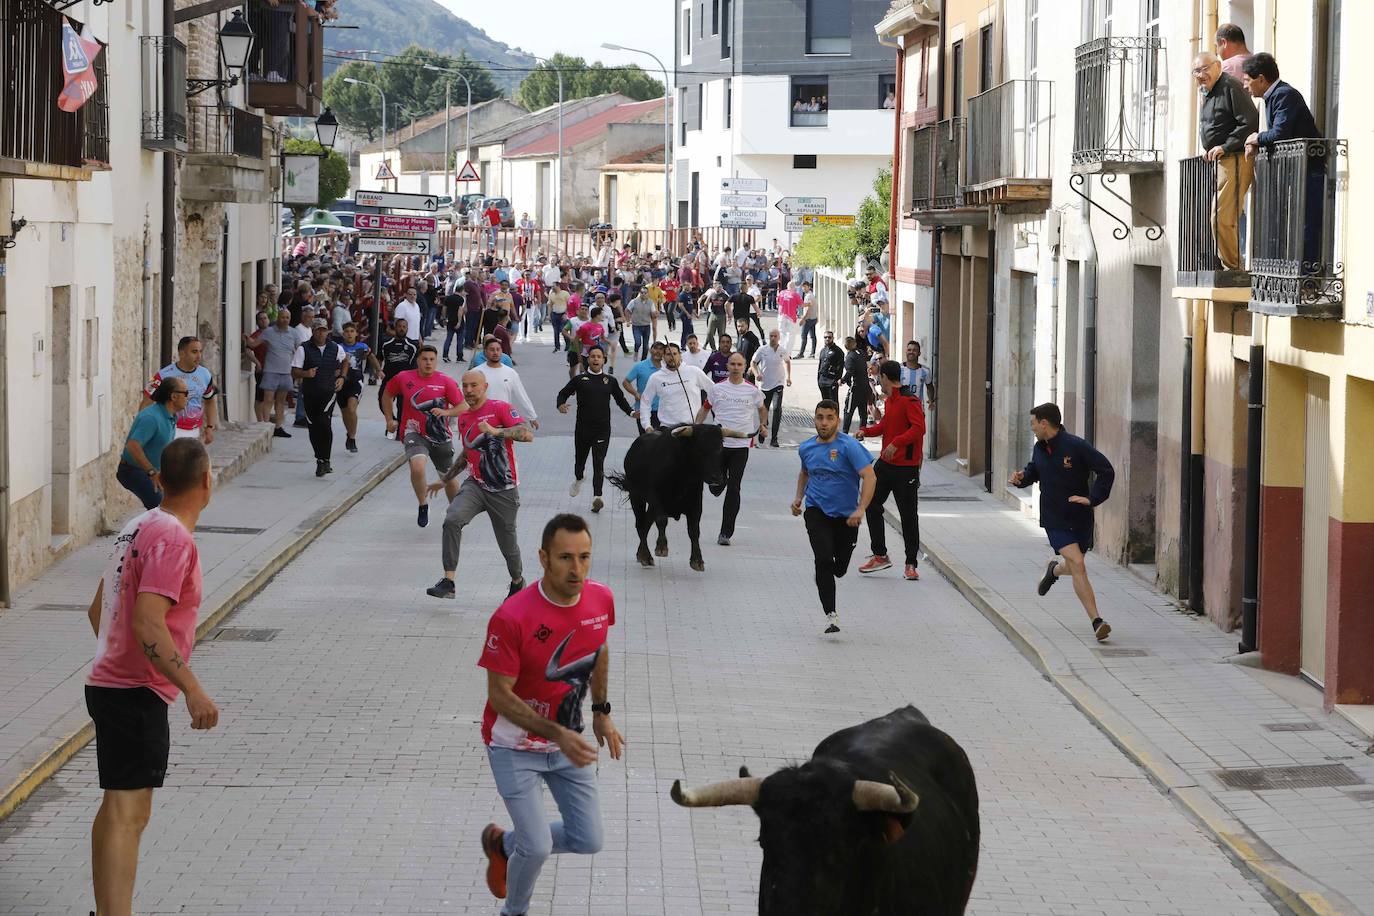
[{"x": 1227, "y": 117}]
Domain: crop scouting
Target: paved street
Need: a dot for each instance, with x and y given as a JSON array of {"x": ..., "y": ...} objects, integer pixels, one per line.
[{"x": 347, "y": 774}]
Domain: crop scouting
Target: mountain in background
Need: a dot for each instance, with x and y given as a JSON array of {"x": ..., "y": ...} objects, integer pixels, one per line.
[{"x": 389, "y": 27}]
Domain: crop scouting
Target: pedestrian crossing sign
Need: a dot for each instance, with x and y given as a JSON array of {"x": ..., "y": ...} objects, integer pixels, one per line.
[
  {"x": 467, "y": 172},
  {"x": 384, "y": 172}
]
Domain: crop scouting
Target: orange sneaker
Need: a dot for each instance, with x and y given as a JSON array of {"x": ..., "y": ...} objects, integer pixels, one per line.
[
  {"x": 911, "y": 575},
  {"x": 875, "y": 563},
  {"x": 496, "y": 860}
]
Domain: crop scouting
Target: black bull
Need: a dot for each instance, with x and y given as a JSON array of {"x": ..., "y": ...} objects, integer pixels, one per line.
[
  {"x": 881, "y": 821},
  {"x": 664, "y": 473}
]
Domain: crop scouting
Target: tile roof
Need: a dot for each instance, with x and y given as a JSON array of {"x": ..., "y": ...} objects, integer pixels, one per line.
[
  {"x": 588, "y": 128},
  {"x": 533, "y": 119}
]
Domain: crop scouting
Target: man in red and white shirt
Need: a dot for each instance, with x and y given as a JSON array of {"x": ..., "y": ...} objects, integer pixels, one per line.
[
  {"x": 144, "y": 617},
  {"x": 488, "y": 430},
  {"x": 545, "y": 649}
]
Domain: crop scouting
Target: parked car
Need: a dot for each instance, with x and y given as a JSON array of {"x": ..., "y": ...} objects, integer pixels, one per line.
[
  {"x": 502, "y": 204},
  {"x": 464, "y": 206}
]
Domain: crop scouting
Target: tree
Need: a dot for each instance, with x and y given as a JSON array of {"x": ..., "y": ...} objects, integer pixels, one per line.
[
  {"x": 580, "y": 80},
  {"x": 836, "y": 246},
  {"x": 334, "y": 175},
  {"x": 358, "y": 108},
  {"x": 406, "y": 83}
]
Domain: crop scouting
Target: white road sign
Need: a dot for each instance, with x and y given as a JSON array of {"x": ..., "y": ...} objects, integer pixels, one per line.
[
  {"x": 428, "y": 202},
  {"x": 753, "y": 201},
  {"x": 380, "y": 244},
  {"x": 388, "y": 223},
  {"x": 744, "y": 219},
  {"x": 792, "y": 222},
  {"x": 744, "y": 184},
  {"x": 795, "y": 205}
]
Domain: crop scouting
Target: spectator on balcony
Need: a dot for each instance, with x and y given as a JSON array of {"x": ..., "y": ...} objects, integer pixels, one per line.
[
  {"x": 1227, "y": 117},
  {"x": 1230, "y": 43}
]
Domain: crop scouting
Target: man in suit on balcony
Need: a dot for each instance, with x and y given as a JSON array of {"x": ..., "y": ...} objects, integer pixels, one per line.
[{"x": 1226, "y": 118}]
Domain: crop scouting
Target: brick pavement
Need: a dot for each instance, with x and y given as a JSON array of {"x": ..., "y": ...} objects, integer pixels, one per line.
[{"x": 347, "y": 774}]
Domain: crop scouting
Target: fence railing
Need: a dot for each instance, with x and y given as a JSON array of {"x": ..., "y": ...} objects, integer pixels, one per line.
[
  {"x": 229, "y": 131},
  {"x": 950, "y": 178},
  {"x": 285, "y": 65},
  {"x": 164, "y": 93},
  {"x": 32, "y": 127},
  {"x": 1115, "y": 91},
  {"x": 923, "y": 167},
  {"x": 1197, "y": 244},
  {"x": 1010, "y": 130},
  {"x": 1297, "y": 217}
]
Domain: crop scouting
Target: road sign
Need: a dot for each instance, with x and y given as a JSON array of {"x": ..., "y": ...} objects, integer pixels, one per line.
[
  {"x": 427, "y": 202},
  {"x": 467, "y": 172},
  {"x": 792, "y": 222},
  {"x": 744, "y": 184},
  {"x": 798, "y": 205},
  {"x": 744, "y": 219},
  {"x": 381, "y": 244},
  {"x": 395, "y": 223},
  {"x": 384, "y": 172},
  {"x": 752, "y": 201},
  {"x": 826, "y": 219}
]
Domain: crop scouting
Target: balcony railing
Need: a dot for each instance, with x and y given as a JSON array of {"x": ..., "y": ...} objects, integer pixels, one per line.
[
  {"x": 1297, "y": 213},
  {"x": 226, "y": 131},
  {"x": 810, "y": 118},
  {"x": 1197, "y": 260},
  {"x": 36, "y": 136},
  {"x": 286, "y": 66},
  {"x": 1116, "y": 119},
  {"x": 1010, "y": 134},
  {"x": 164, "y": 93},
  {"x": 923, "y": 166},
  {"x": 950, "y": 144}
]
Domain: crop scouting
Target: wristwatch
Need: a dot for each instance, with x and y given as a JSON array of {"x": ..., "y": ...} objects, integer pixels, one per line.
[{"x": 603, "y": 708}]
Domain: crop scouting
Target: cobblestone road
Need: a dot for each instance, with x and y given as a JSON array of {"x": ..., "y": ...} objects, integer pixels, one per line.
[{"x": 347, "y": 774}]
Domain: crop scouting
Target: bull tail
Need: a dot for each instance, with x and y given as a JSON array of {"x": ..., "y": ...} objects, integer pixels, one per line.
[{"x": 618, "y": 481}]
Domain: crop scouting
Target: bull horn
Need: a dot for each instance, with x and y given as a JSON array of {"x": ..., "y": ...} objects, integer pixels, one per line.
[
  {"x": 733, "y": 433},
  {"x": 718, "y": 794},
  {"x": 896, "y": 798},
  {"x": 683, "y": 431}
]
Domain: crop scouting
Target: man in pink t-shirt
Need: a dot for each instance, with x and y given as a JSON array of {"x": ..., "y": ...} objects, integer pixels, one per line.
[
  {"x": 144, "y": 617},
  {"x": 427, "y": 395},
  {"x": 789, "y": 303},
  {"x": 488, "y": 430},
  {"x": 545, "y": 649}
]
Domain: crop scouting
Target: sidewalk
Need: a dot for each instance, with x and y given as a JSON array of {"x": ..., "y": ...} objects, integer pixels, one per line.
[{"x": 254, "y": 525}]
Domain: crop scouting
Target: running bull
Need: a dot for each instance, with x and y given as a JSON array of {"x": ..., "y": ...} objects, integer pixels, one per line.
[
  {"x": 881, "y": 821},
  {"x": 664, "y": 472}
]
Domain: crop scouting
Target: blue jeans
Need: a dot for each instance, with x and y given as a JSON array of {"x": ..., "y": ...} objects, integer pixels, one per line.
[
  {"x": 532, "y": 837},
  {"x": 643, "y": 337},
  {"x": 140, "y": 484},
  {"x": 455, "y": 332},
  {"x": 687, "y": 331}
]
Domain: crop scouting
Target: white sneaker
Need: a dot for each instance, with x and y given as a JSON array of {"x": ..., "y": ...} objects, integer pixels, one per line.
[
  {"x": 832, "y": 620},
  {"x": 575, "y": 488}
]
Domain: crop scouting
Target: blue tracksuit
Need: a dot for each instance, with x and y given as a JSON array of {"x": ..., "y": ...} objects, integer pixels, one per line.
[{"x": 1063, "y": 466}]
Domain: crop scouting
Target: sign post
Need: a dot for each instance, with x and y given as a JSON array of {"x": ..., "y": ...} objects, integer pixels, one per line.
[
  {"x": 743, "y": 203},
  {"x": 429, "y": 203}
]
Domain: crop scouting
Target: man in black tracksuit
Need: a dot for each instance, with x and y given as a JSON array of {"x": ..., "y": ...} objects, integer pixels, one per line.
[
  {"x": 830, "y": 368},
  {"x": 1074, "y": 477},
  {"x": 399, "y": 353},
  {"x": 856, "y": 377},
  {"x": 592, "y": 430},
  {"x": 320, "y": 366}
]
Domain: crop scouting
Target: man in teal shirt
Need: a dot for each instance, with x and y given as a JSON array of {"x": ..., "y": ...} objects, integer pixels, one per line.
[
  {"x": 153, "y": 429},
  {"x": 638, "y": 378}
]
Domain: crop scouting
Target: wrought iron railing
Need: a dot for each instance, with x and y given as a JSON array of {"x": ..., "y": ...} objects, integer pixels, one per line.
[
  {"x": 950, "y": 142},
  {"x": 1197, "y": 244},
  {"x": 32, "y": 127},
  {"x": 230, "y": 131},
  {"x": 164, "y": 93},
  {"x": 1296, "y": 258},
  {"x": 1115, "y": 93},
  {"x": 1010, "y": 130},
  {"x": 923, "y": 167},
  {"x": 273, "y": 58}
]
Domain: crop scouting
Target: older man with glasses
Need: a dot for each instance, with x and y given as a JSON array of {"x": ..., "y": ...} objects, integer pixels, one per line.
[{"x": 1227, "y": 117}]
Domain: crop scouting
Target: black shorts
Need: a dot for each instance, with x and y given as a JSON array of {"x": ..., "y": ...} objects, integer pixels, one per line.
[
  {"x": 574, "y": 357},
  {"x": 132, "y": 740},
  {"x": 351, "y": 389}
]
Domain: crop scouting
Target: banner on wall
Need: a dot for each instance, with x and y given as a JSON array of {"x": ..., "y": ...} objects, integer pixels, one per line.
[
  {"x": 78, "y": 68},
  {"x": 300, "y": 179}
]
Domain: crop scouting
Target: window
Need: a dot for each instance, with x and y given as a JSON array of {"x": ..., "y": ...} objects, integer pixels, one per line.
[
  {"x": 701, "y": 105},
  {"x": 715, "y": 17},
  {"x": 810, "y": 101},
  {"x": 682, "y": 107},
  {"x": 729, "y": 100},
  {"x": 1033, "y": 38},
  {"x": 725, "y": 49},
  {"x": 887, "y": 91},
  {"x": 956, "y": 80},
  {"x": 803, "y": 162},
  {"x": 827, "y": 26},
  {"x": 687, "y": 33},
  {"x": 985, "y": 61},
  {"x": 701, "y": 20},
  {"x": 703, "y": 97}
]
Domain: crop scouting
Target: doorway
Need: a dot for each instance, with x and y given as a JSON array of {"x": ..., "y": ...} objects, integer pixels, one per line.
[
  {"x": 1316, "y": 512},
  {"x": 1021, "y": 368},
  {"x": 60, "y": 354},
  {"x": 612, "y": 201},
  {"x": 1142, "y": 479}
]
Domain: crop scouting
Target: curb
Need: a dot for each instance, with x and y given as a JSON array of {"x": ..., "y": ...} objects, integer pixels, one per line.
[
  {"x": 1298, "y": 892},
  {"x": 17, "y": 792}
]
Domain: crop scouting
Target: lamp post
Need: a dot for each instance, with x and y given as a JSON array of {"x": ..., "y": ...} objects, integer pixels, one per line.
[
  {"x": 235, "y": 43},
  {"x": 667, "y": 139},
  {"x": 327, "y": 129},
  {"x": 467, "y": 129},
  {"x": 558, "y": 203},
  {"x": 355, "y": 82}
]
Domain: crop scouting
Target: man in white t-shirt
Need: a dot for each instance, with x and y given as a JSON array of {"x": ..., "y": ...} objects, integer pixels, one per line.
[
  {"x": 774, "y": 373},
  {"x": 409, "y": 309},
  {"x": 679, "y": 389},
  {"x": 694, "y": 355},
  {"x": 738, "y": 406},
  {"x": 503, "y": 383}
]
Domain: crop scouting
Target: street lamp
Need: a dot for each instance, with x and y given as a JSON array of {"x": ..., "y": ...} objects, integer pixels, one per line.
[
  {"x": 558, "y": 203},
  {"x": 356, "y": 82},
  {"x": 467, "y": 143},
  {"x": 667, "y": 139},
  {"x": 327, "y": 129},
  {"x": 235, "y": 43}
]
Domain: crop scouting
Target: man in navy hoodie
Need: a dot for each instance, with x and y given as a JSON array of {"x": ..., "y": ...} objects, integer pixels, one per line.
[{"x": 1073, "y": 477}]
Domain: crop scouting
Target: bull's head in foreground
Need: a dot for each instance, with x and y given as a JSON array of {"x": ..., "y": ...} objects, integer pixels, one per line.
[
  {"x": 830, "y": 841},
  {"x": 704, "y": 447}
]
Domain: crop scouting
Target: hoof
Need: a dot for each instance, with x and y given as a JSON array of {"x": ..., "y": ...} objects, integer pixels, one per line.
[
  {"x": 699, "y": 565},
  {"x": 661, "y": 549},
  {"x": 644, "y": 558}
]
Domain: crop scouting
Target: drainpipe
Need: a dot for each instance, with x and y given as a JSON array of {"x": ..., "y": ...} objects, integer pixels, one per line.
[
  {"x": 169, "y": 196},
  {"x": 896, "y": 197},
  {"x": 1089, "y": 320},
  {"x": 1185, "y": 443},
  {"x": 987, "y": 356},
  {"x": 1254, "y": 441},
  {"x": 223, "y": 319},
  {"x": 936, "y": 272},
  {"x": 4, "y": 445}
]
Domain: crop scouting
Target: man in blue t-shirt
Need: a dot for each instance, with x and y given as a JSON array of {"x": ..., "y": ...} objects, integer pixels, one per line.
[
  {"x": 834, "y": 487},
  {"x": 637, "y": 379}
]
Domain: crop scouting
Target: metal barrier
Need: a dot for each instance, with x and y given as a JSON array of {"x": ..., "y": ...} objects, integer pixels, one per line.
[
  {"x": 950, "y": 176},
  {"x": 1011, "y": 132},
  {"x": 468, "y": 243},
  {"x": 1297, "y": 215},
  {"x": 1115, "y": 88},
  {"x": 230, "y": 131},
  {"x": 1197, "y": 245}
]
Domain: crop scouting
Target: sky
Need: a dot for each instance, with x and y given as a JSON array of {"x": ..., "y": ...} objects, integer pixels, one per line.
[{"x": 578, "y": 27}]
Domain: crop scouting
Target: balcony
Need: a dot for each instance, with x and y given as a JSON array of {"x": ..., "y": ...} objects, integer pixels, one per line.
[
  {"x": 285, "y": 70},
  {"x": 1116, "y": 116},
  {"x": 1297, "y": 213},
  {"x": 164, "y": 94},
  {"x": 938, "y": 163},
  {"x": 37, "y": 139},
  {"x": 225, "y": 162},
  {"x": 1010, "y": 146}
]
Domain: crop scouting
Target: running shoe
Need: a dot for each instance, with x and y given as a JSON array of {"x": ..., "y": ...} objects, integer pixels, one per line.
[
  {"x": 910, "y": 574},
  {"x": 351, "y": 445},
  {"x": 328, "y": 468},
  {"x": 444, "y": 588},
  {"x": 280, "y": 433},
  {"x": 422, "y": 517},
  {"x": 575, "y": 488},
  {"x": 515, "y": 586},
  {"x": 320, "y": 468},
  {"x": 495, "y": 852},
  {"x": 597, "y": 504},
  {"x": 1048, "y": 579},
  {"x": 832, "y": 620},
  {"x": 875, "y": 563},
  {"x": 301, "y": 424},
  {"x": 1101, "y": 629}
]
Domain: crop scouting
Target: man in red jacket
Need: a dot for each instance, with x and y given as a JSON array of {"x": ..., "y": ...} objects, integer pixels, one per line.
[{"x": 898, "y": 470}]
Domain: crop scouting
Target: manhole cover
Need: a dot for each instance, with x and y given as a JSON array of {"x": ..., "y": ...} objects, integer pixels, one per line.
[
  {"x": 245, "y": 634},
  {"x": 1122, "y": 653},
  {"x": 949, "y": 499},
  {"x": 1292, "y": 727},
  {"x": 1319, "y": 776},
  {"x": 227, "y": 529},
  {"x": 61, "y": 607}
]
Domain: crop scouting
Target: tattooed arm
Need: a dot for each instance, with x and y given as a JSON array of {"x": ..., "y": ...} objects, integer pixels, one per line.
[{"x": 150, "y": 629}]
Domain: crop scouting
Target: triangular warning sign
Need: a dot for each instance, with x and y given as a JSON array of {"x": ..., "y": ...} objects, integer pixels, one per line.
[
  {"x": 384, "y": 172},
  {"x": 467, "y": 172}
]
